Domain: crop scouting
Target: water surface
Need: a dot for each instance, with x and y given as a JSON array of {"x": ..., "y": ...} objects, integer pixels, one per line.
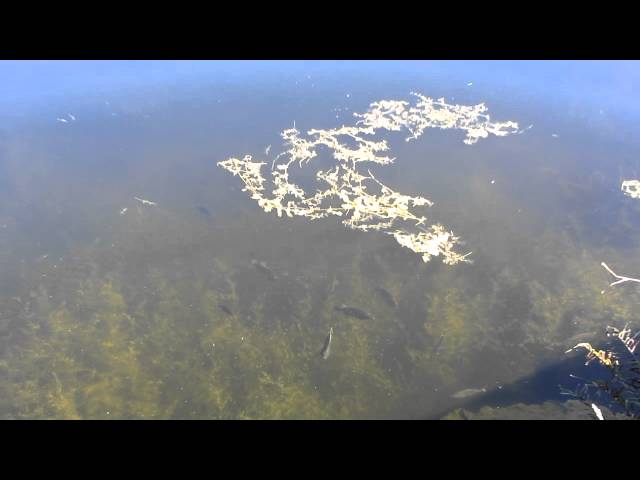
[{"x": 160, "y": 311}]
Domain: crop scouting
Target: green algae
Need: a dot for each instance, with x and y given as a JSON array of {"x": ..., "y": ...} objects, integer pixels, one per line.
[{"x": 137, "y": 332}]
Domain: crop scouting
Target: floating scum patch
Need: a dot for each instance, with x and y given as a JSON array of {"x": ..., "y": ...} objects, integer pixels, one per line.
[{"x": 352, "y": 192}]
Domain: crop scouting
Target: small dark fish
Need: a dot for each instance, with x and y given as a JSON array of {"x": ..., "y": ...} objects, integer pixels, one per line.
[
  {"x": 261, "y": 266},
  {"x": 225, "y": 309},
  {"x": 203, "y": 210},
  {"x": 437, "y": 347},
  {"x": 86, "y": 375},
  {"x": 353, "y": 312},
  {"x": 326, "y": 348},
  {"x": 386, "y": 296}
]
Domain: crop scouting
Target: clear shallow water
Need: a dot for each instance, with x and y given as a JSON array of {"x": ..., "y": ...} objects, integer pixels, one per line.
[{"x": 110, "y": 315}]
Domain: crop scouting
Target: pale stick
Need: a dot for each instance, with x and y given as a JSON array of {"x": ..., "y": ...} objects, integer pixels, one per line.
[{"x": 620, "y": 278}]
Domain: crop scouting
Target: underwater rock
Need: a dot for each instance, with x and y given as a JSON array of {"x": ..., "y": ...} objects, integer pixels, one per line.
[{"x": 550, "y": 410}]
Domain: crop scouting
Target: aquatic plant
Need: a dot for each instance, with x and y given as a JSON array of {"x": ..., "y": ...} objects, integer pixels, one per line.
[
  {"x": 623, "y": 386},
  {"x": 152, "y": 342},
  {"x": 360, "y": 199}
]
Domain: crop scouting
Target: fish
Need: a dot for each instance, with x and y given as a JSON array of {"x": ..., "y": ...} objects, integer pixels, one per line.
[
  {"x": 86, "y": 375},
  {"x": 123, "y": 211},
  {"x": 203, "y": 210},
  {"x": 146, "y": 202},
  {"x": 326, "y": 348},
  {"x": 260, "y": 265},
  {"x": 225, "y": 309},
  {"x": 386, "y": 296},
  {"x": 437, "y": 347},
  {"x": 353, "y": 312},
  {"x": 468, "y": 392},
  {"x": 58, "y": 383}
]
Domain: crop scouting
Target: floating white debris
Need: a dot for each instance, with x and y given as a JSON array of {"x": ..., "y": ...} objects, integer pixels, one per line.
[
  {"x": 492, "y": 182},
  {"x": 555, "y": 135},
  {"x": 72, "y": 117},
  {"x": 146, "y": 202},
  {"x": 266, "y": 150},
  {"x": 62, "y": 120},
  {"x": 469, "y": 84},
  {"x": 346, "y": 191},
  {"x": 124, "y": 210},
  {"x": 598, "y": 411},
  {"x": 348, "y": 95},
  {"x": 631, "y": 188}
]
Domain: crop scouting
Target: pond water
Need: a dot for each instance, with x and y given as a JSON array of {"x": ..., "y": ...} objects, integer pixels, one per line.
[{"x": 139, "y": 280}]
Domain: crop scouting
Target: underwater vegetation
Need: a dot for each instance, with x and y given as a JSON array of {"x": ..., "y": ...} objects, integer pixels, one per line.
[
  {"x": 163, "y": 319},
  {"x": 150, "y": 344}
]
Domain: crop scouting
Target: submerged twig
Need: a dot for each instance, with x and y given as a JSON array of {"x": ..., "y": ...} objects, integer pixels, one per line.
[
  {"x": 597, "y": 411},
  {"x": 621, "y": 278}
]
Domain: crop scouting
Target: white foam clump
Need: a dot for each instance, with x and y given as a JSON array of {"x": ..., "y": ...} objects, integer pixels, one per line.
[
  {"x": 631, "y": 188},
  {"x": 363, "y": 202}
]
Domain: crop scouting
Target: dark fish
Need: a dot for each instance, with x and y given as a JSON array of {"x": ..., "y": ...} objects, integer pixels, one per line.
[
  {"x": 204, "y": 211},
  {"x": 326, "y": 348},
  {"x": 261, "y": 266},
  {"x": 437, "y": 347},
  {"x": 353, "y": 312},
  {"x": 386, "y": 296},
  {"x": 86, "y": 375},
  {"x": 225, "y": 309}
]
